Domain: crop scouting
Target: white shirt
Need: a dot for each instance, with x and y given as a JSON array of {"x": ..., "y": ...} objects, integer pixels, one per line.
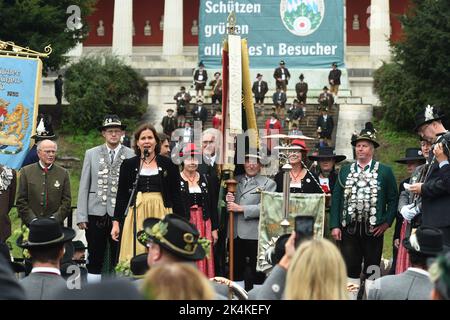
[
  {"x": 46, "y": 270},
  {"x": 148, "y": 172},
  {"x": 42, "y": 165},
  {"x": 358, "y": 166},
  {"x": 116, "y": 150}
]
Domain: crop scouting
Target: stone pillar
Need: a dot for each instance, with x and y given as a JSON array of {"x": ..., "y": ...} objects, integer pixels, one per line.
[
  {"x": 352, "y": 117},
  {"x": 380, "y": 31},
  {"x": 123, "y": 29},
  {"x": 173, "y": 28}
]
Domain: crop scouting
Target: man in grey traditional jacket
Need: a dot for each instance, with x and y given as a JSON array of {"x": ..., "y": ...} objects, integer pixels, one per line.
[{"x": 97, "y": 194}]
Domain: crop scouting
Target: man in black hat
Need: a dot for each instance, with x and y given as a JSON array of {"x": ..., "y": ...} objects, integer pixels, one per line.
[
  {"x": 294, "y": 114},
  {"x": 45, "y": 244},
  {"x": 200, "y": 79},
  {"x": 169, "y": 123},
  {"x": 301, "y": 88},
  {"x": 334, "y": 79},
  {"x": 182, "y": 99},
  {"x": 325, "y": 99},
  {"x": 413, "y": 159},
  {"x": 282, "y": 76},
  {"x": 435, "y": 196},
  {"x": 44, "y": 187},
  {"x": 363, "y": 206},
  {"x": 279, "y": 99},
  {"x": 97, "y": 193},
  {"x": 414, "y": 283},
  {"x": 325, "y": 125},
  {"x": 44, "y": 130},
  {"x": 259, "y": 89},
  {"x": 216, "y": 88},
  {"x": 327, "y": 158},
  {"x": 245, "y": 205},
  {"x": 200, "y": 113}
]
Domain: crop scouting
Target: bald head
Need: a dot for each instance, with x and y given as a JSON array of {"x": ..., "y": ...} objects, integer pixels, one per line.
[{"x": 46, "y": 151}]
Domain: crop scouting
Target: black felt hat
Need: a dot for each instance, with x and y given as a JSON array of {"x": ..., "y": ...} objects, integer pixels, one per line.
[
  {"x": 428, "y": 115},
  {"x": 177, "y": 235},
  {"x": 426, "y": 240},
  {"x": 44, "y": 130},
  {"x": 45, "y": 232},
  {"x": 327, "y": 153},
  {"x": 301, "y": 77},
  {"x": 412, "y": 154}
]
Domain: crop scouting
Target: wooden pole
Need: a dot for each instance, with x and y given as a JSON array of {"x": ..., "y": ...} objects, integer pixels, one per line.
[{"x": 231, "y": 187}]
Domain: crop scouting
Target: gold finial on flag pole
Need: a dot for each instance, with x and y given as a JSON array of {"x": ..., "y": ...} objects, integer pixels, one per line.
[{"x": 231, "y": 27}]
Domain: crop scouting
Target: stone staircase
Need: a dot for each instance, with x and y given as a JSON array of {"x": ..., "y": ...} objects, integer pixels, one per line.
[{"x": 307, "y": 125}]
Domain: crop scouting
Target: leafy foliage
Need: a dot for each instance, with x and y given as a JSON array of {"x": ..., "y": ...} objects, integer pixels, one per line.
[
  {"x": 419, "y": 74},
  {"x": 38, "y": 23},
  {"x": 100, "y": 85}
]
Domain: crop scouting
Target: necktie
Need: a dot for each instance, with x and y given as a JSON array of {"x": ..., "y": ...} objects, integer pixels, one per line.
[{"x": 112, "y": 153}]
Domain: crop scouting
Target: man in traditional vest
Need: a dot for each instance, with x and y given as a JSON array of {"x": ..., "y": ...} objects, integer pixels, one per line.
[
  {"x": 363, "y": 206},
  {"x": 44, "y": 187},
  {"x": 97, "y": 194}
]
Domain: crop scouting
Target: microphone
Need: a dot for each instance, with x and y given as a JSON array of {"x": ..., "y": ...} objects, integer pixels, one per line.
[{"x": 146, "y": 153}]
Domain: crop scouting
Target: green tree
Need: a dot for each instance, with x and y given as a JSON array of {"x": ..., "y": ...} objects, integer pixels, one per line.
[
  {"x": 100, "y": 85},
  {"x": 419, "y": 74},
  {"x": 38, "y": 23}
]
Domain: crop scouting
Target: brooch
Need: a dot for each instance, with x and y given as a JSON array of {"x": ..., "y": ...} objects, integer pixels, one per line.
[{"x": 57, "y": 184}]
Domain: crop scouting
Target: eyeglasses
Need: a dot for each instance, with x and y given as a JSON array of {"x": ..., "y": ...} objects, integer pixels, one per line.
[
  {"x": 113, "y": 131},
  {"x": 208, "y": 142},
  {"x": 48, "y": 151}
]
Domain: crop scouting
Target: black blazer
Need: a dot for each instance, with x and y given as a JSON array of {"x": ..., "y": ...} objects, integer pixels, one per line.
[
  {"x": 200, "y": 115},
  {"x": 204, "y": 73},
  {"x": 327, "y": 126},
  {"x": 208, "y": 205},
  {"x": 277, "y": 74},
  {"x": 170, "y": 185},
  {"x": 264, "y": 89}
]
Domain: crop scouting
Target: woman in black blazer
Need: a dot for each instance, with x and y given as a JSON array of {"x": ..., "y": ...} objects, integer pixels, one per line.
[
  {"x": 157, "y": 194},
  {"x": 198, "y": 202}
]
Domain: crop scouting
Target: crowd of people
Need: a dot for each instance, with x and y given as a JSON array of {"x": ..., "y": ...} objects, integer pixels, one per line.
[{"x": 141, "y": 209}]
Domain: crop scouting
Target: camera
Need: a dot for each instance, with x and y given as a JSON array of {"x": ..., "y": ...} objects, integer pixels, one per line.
[
  {"x": 304, "y": 228},
  {"x": 445, "y": 140}
]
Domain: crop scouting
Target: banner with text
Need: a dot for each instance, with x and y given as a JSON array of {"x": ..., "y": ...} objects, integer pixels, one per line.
[
  {"x": 19, "y": 87},
  {"x": 304, "y": 33}
]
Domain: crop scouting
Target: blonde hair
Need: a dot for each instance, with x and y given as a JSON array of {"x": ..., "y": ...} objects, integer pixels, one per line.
[
  {"x": 317, "y": 272},
  {"x": 177, "y": 281}
]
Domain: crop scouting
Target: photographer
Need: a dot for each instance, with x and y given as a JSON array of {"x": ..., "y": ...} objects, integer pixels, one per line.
[{"x": 434, "y": 191}]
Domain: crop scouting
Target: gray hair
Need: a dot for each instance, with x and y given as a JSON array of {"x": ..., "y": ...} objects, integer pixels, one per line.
[{"x": 38, "y": 145}]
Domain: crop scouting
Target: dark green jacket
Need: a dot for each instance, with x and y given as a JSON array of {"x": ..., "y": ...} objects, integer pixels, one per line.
[
  {"x": 387, "y": 196},
  {"x": 40, "y": 196}
]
